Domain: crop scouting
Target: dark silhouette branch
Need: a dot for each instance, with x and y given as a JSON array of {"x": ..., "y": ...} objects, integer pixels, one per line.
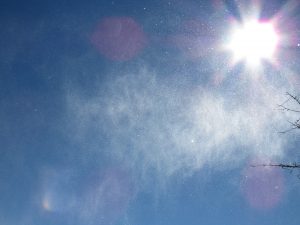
[
  {"x": 284, "y": 108},
  {"x": 294, "y": 97},
  {"x": 295, "y": 124},
  {"x": 289, "y": 167},
  {"x": 283, "y": 166}
]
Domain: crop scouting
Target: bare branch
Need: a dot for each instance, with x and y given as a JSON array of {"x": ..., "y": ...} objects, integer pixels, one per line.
[
  {"x": 294, "y": 97},
  {"x": 284, "y": 166},
  {"x": 288, "y": 130},
  {"x": 283, "y": 107}
]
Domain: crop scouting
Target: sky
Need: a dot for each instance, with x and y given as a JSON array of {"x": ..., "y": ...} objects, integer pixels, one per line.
[{"x": 148, "y": 112}]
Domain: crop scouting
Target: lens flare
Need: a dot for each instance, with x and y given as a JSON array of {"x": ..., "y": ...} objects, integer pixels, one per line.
[
  {"x": 119, "y": 38},
  {"x": 263, "y": 187}
]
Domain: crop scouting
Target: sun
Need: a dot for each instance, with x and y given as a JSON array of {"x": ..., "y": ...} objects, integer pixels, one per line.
[{"x": 253, "y": 41}]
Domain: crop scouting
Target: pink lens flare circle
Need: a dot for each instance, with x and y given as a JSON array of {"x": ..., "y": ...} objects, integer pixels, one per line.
[
  {"x": 107, "y": 195},
  {"x": 263, "y": 187},
  {"x": 119, "y": 38}
]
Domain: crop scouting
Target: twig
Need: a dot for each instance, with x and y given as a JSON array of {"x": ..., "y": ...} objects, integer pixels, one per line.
[
  {"x": 294, "y": 97},
  {"x": 284, "y": 166}
]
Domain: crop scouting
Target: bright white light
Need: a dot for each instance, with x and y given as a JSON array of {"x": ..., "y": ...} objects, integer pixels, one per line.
[{"x": 254, "y": 41}]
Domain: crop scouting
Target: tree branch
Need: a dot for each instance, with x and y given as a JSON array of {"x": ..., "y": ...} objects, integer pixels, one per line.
[
  {"x": 294, "y": 97},
  {"x": 284, "y": 166},
  {"x": 283, "y": 107}
]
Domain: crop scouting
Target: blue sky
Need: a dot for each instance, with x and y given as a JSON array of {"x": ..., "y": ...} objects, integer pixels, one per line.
[{"x": 134, "y": 113}]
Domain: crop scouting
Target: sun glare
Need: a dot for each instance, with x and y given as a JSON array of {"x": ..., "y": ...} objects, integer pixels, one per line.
[{"x": 253, "y": 42}]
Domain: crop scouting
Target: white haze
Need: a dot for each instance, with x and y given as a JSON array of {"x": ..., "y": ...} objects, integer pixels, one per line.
[{"x": 156, "y": 125}]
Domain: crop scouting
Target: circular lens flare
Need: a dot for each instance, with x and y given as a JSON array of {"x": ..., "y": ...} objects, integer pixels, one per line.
[{"x": 253, "y": 42}]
